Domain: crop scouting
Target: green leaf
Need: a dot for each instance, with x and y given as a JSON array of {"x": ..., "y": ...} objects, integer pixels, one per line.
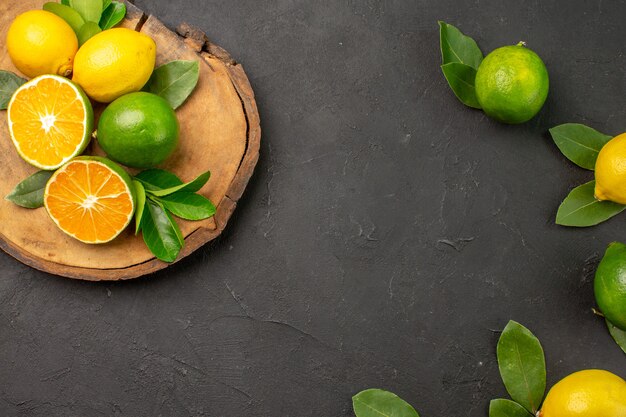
[
  {"x": 9, "y": 83},
  {"x": 191, "y": 186},
  {"x": 71, "y": 16},
  {"x": 88, "y": 31},
  {"x": 188, "y": 206},
  {"x": 65, "y": 2},
  {"x": 158, "y": 179},
  {"x": 175, "y": 81},
  {"x": 140, "y": 194},
  {"x": 160, "y": 233},
  {"x": 618, "y": 335},
  {"x": 456, "y": 47},
  {"x": 379, "y": 403},
  {"x": 179, "y": 234},
  {"x": 112, "y": 15},
  {"x": 522, "y": 366},
  {"x": 507, "y": 408},
  {"x": 579, "y": 143},
  {"x": 29, "y": 193},
  {"x": 581, "y": 208},
  {"x": 105, "y": 4},
  {"x": 90, "y": 10},
  {"x": 461, "y": 79}
]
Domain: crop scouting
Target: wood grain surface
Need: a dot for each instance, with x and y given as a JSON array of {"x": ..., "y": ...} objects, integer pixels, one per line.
[{"x": 220, "y": 131}]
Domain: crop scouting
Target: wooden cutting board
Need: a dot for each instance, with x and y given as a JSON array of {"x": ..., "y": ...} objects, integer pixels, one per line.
[{"x": 220, "y": 131}]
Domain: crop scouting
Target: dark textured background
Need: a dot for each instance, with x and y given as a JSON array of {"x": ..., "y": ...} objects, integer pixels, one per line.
[{"x": 387, "y": 234}]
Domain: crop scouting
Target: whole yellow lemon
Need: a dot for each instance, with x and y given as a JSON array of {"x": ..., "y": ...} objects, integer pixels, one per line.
[
  {"x": 114, "y": 63},
  {"x": 40, "y": 43},
  {"x": 611, "y": 171},
  {"x": 589, "y": 393}
]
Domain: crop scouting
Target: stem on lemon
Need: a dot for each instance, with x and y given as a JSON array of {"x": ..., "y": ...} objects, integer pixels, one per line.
[{"x": 521, "y": 43}]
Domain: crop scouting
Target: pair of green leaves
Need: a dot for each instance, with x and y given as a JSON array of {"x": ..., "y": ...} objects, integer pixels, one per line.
[
  {"x": 174, "y": 81},
  {"x": 461, "y": 58},
  {"x": 88, "y": 17},
  {"x": 380, "y": 403},
  {"x": 160, "y": 196},
  {"x": 581, "y": 145},
  {"x": 522, "y": 367}
]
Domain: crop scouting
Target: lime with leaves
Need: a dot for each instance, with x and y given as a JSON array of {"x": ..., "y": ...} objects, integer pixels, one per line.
[
  {"x": 512, "y": 84},
  {"x": 139, "y": 130},
  {"x": 610, "y": 285}
]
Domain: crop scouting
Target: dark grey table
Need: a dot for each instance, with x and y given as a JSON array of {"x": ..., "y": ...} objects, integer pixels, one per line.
[{"x": 387, "y": 234}]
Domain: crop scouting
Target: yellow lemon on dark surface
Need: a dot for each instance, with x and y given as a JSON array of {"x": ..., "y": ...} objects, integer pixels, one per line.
[
  {"x": 588, "y": 393},
  {"x": 610, "y": 171},
  {"x": 512, "y": 84},
  {"x": 41, "y": 43}
]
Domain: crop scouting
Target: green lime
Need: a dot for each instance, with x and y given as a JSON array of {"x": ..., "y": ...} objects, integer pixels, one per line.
[
  {"x": 139, "y": 130},
  {"x": 512, "y": 84},
  {"x": 610, "y": 284}
]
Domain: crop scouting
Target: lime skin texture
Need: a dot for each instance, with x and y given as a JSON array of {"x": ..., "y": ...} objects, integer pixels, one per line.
[
  {"x": 610, "y": 284},
  {"x": 139, "y": 130},
  {"x": 512, "y": 84}
]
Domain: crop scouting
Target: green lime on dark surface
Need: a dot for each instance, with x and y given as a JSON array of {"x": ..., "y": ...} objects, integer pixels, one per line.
[
  {"x": 610, "y": 285},
  {"x": 139, "y": 130},
  {"x": 512, "y": 84}
]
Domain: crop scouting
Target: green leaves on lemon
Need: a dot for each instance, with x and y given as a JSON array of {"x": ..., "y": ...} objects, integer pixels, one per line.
[
  {"x": 88, "y": 17},
  {"x": 139, "y": 130},
  {"x": 582, "y": 145}
]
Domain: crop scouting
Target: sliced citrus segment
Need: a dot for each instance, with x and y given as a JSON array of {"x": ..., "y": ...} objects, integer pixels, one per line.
[
  {"x": 91, "y": 199},
  {"x": 50, "y": 121}
]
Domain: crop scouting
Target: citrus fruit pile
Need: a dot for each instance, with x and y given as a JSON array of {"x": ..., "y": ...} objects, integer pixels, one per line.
[{"x": 76, "y": 59}]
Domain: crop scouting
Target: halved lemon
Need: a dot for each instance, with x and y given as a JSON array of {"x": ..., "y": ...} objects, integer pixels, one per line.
[
  {"x": 91, "y": 199},
  {"x": 50, "y": 121}
]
